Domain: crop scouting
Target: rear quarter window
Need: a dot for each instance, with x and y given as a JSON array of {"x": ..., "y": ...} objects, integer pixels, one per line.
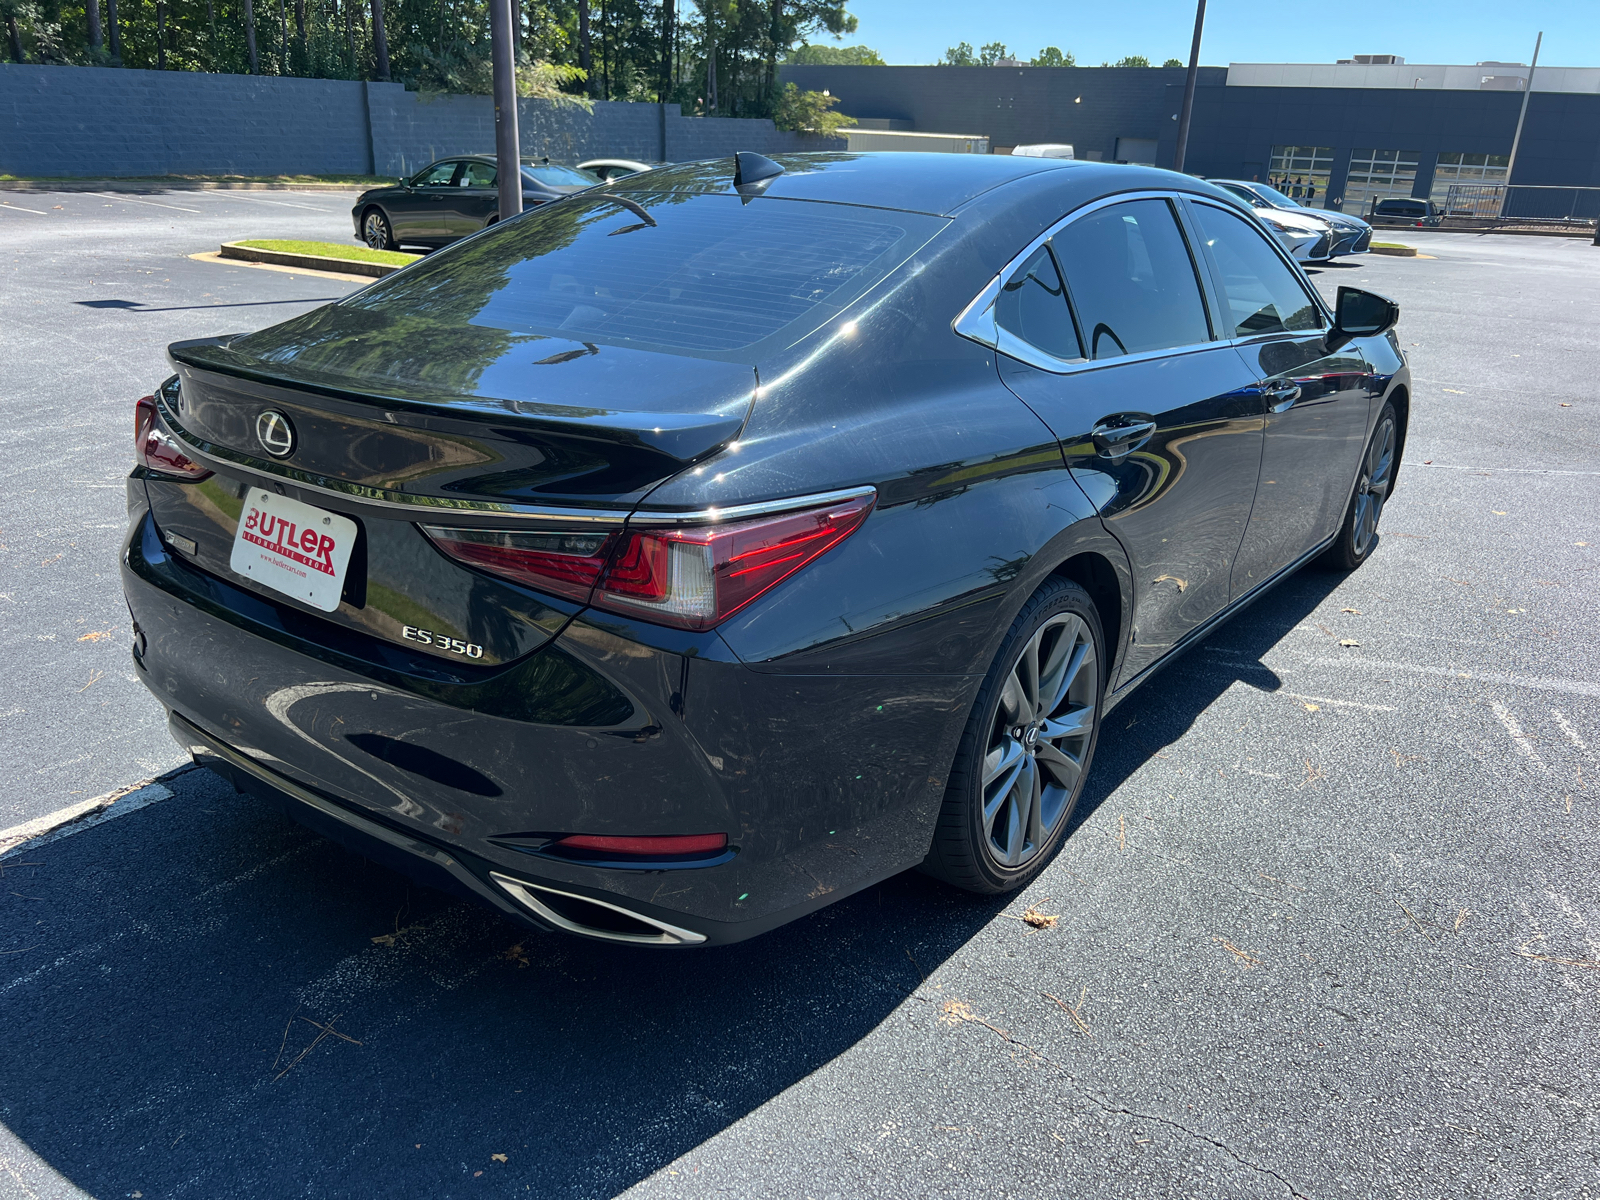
[{"x": 706, "y": 274}]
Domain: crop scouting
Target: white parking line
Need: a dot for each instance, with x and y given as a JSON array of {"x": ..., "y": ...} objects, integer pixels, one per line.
[
  {"x": 1517, "y": 736},
  {"x": 231, "y": 195},
  {"x": 1572, "y": 734},
  {"x": 1501, "y": 470},
  {"x": 19, "y": 208},
  {"x": 152, "y": 203},
  {"x": 85, "y": 814}
]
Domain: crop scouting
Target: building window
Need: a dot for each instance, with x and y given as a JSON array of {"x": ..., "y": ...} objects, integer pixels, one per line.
[
  {"x": 1376, "y": 174},
  {"x": 1466, "y": 168},
  {"x": 1301, "y": 173}
]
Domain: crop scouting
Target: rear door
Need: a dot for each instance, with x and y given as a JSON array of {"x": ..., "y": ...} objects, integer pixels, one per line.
[
  {"x": 423, "y": 216},
  {"x": 1315, "y": 402},
  {"x": 476, "y": 198},
  {"x": 1158, "y": 420}
]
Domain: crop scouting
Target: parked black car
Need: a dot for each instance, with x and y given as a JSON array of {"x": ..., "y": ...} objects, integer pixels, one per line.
[
  {"x": 453, "y": 197},
  {"x": 1404, "y": 210},
  {"x": 667, "y": 563}
]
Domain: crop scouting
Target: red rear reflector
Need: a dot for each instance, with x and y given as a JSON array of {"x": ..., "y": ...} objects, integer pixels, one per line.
[
  {"x": 690, "y": 843},
  {"x": 156, "y": 449},
  {"x": 693, "y": 578}
]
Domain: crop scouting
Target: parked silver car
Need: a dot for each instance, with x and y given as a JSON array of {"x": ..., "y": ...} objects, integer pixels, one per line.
[{"x": 1346, "y": 234}]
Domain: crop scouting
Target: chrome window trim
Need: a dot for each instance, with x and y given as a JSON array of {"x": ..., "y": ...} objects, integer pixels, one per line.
[
  {"x": 435, "y": 507},
  {"x": 976, "y": 322}
]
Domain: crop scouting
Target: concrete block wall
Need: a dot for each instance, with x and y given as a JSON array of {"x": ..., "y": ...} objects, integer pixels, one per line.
[
  {"x": 105, "y": 122},
  {"x": 98, "y": 121}
]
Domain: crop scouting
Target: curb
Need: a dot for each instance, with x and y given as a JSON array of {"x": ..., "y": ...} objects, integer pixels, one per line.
[
  {"x": 307, "y": 262},
  {"x": 174, "y": 185},
  {"x": 1397, "y": 251}
]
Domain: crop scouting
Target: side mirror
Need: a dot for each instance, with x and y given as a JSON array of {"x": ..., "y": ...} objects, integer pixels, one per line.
[{"x": 1361, "y": 314}]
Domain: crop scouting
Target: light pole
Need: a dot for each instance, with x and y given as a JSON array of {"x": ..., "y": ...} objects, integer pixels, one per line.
[
  {"x": 507, "y": 141},
  {"x": 1188, "y": 88},
  {"x": 1516, "y": 140}
]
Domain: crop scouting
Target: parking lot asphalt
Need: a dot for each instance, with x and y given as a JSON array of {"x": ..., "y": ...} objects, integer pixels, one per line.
[
  {"x": 1328, "y": 920},
  {"x": 92, "y": 288}
]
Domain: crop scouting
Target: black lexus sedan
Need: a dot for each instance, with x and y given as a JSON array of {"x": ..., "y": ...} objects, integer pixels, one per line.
[
  {"x": 670, "y": 561},
  {"x": 453, "y": 197}
]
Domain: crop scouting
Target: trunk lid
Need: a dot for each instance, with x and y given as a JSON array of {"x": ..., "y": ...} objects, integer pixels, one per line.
[{"x": 527, "y": 432}]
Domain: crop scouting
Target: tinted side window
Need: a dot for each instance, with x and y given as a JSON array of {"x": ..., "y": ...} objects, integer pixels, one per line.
[
  {"x": 478, "y": 175},
  {"x": 438, "y": 175},
  {"x": 1132, "y": 280},
  {"x": 1260, "y": 294},
  {"x": 1033, "y": 305}
]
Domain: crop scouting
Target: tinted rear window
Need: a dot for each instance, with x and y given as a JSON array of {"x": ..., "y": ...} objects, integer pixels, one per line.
[{"x": 711, "y": 275}]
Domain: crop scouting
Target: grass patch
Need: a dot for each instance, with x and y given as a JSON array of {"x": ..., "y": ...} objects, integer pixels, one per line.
[
  {"x": 334, "y": 250},
  {"x": 1390, "y": 246}
]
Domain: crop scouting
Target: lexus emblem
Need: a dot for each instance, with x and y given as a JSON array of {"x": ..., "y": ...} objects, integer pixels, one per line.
[{"x": 275, "y": 434}]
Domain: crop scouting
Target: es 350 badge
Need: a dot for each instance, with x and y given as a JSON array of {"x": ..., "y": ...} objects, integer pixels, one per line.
[{"x": 428, "y": 637}]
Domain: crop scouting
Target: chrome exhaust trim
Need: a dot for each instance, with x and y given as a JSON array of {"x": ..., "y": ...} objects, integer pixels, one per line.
[{"x": 527, "y": 894}]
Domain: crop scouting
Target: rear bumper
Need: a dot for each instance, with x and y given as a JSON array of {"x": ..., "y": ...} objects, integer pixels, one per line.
[{"x": 823, "y": 784}]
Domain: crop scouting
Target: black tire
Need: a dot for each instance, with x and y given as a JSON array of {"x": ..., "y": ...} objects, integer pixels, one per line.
[
  {"x": 1359, "y": 532},
  {"x": 376, "y": 231},
  {"x": 987, "y": 840}
]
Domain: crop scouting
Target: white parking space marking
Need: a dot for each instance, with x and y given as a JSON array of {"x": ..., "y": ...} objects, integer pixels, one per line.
[
  {"x": 152, "y": 203},
  {"x": 1502, "y": 470},
  {"x": 1566, "y": 728},
  {"x": 1537, "y": 683},
  {"x": 226, "y": 196},
  {"x": 19, "y": 208},
  {"x": 85, "y": 814},
  {"x": 1342, "y": 703},
  {"x": 1520, "y": 739}
]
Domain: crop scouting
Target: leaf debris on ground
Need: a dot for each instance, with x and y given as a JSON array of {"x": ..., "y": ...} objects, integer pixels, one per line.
[
  {"x": 1246, "y": 959},
  {"x": 1524, "y": 952},
  {"x": 1076, "y": 1013}
]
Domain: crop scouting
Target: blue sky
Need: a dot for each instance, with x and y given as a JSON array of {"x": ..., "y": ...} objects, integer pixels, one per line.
[{"x": 1424, "y": 31}]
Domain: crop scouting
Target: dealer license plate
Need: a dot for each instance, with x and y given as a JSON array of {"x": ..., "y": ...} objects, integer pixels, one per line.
[{"x": 293, "y": 548}]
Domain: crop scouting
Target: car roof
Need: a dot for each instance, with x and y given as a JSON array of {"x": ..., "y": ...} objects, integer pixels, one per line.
[{"x": 912, "y": 181}]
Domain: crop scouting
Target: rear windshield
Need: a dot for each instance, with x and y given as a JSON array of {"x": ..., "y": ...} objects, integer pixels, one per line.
[
  {"x": 701, "y": 273},
  {"x": 561, "y": 176}
]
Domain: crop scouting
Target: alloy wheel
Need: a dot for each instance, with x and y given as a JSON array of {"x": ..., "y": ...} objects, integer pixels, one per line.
[
  {"x": 375, "y": 231},
  {"x": 1042, "y": 731},
  {"x": 1372, "y": 490}
]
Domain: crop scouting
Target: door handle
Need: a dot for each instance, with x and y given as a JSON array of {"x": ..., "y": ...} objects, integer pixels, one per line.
[
  {"x": 1117, "y": 437},
  {"x": 1283, "y": 395}
]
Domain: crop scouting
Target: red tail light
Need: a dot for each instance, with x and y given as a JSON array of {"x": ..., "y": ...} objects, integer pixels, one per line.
[
  {"x": 157, "y": 449},
  {"x": 693, "y": 578}
]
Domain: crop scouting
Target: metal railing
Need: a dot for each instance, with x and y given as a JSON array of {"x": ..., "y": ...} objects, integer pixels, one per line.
[{"x": 1522, "y": 204}]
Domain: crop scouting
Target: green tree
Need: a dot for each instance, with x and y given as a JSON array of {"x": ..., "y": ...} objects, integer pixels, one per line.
[
  {"x": 1052, "y": 57},
  {"x": 638, "y": 49},
  {"x": 835, "y": 56},
  {"x": 992, "y": 53},
  {"x": 1132, "y": 60},
  {"x": 1174, "y": 62},
  {"x": 808, "y": 112},
  {"x": 960, "y": 55}
]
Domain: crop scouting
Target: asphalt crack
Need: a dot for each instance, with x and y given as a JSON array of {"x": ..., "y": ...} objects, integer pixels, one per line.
[{"x": 955, "y": 1012}]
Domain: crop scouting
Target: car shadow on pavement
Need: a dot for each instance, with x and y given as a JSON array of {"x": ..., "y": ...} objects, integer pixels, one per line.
[
  {"x": 1164, "y": 708},
  {"x": 204, "y": 999}
]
